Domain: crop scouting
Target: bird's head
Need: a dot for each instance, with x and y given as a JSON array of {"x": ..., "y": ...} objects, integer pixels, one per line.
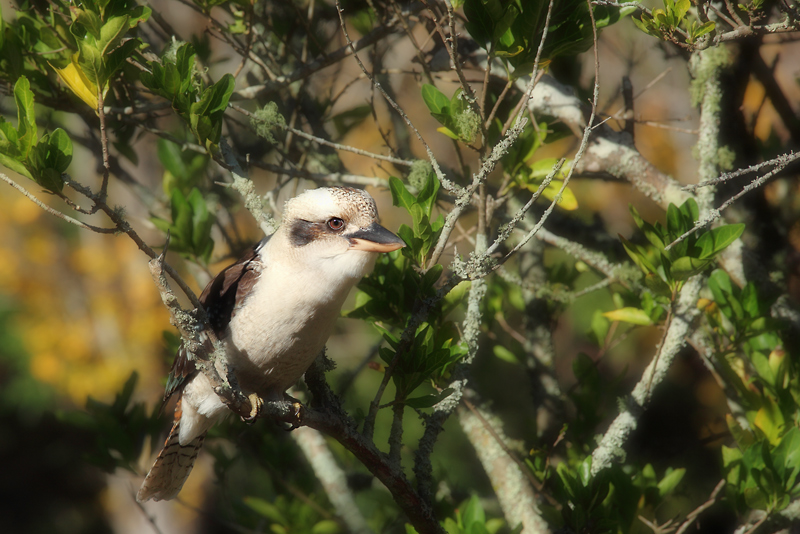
[{"x": 337, "y": 226}]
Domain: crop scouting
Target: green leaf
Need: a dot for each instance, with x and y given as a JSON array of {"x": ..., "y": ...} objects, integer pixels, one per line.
[
  {"x": 112, "y": 33},
  {"x": 680, "y": 10},
  {"x": 89, "y": 20},
  {"x": 435, "y": 100},
  {"x": 657, "y": 285},
  {"x": 744, "y": 438},
  {"x": 599, "y": 327},
  {"x": 749, "y": 300},
  {"x": 12, "y": 162},
  {"x": 181, "y": 218},
  {"x": 326, "y": 526},
  {"x": 585, "y": 471},
  {"x": 50, "y": 179},
  {"x": 401, "y": 197},
  {"x": 139, "y": 14},
  {"x": 761, "y": 364},
  {"x": 473, "y": 513},
  {"x": 670, "y": 481},
  {"x": 505, "y": 354},
  {"x": 638, "y": 255},
  {"x": 202, "y": 222},
  {"x": 685, "y": 267},
  {"x": 26, "y": 117},
  {"x": 730, "y": 456},
  {"x": 480, "y": 24},
  {"x": 169, "y": 154},
  {"x": 786, "y": 456},
  {"x": 266, "y": 509},
  {"x": 458, "y": 103},
  {"x": 59, "y": 151},
  {"x": 118, "y": 57},
  {"x": 585, "y": 369},
  {"x": 645, "y": 24},
  {"x": 10, "y": 135},
  {"x": 431, "y": 276},
  {"x": 675, "y": 222},
  {"x": 629, "y": 315},
  {"x": 90, "y": 62},
  {"x": 427, "y": 195},
  {"x": 569, "y": 483},
  {"x": 715, "y": 241},
  {"x": 690, "y": 213},
  {"x": 755, "y": 498},
  {"x": 720, "y": 284},
  {"x": 221, "y": 94},
  {"x": 703, "y": 29}
]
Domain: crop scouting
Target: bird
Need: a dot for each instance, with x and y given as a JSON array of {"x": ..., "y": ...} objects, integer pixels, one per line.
[{"x": 273, "y": 310}]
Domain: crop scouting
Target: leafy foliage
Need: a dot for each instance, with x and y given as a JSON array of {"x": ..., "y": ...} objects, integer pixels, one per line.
[
  {"x": 513, "y": 30},
  {"x": 42, "y": 159},
  {"x": 664, "y": 23},
  {"x": 394, "y": 288},
  {"x": 667, "y": 270},
  {"x": 612, "y": 500},
  {"x": 119, "y": 428},
  {"x": 529, "y": 172},
  {"x": 191, "y": 224},
  {"x": 458, "y": 120},
  {"x": 425, "y": 231},
  {"x": 102, "y": 52},
  {"x": 99, "y": 30},
  {"x": 201, "y": 107}
]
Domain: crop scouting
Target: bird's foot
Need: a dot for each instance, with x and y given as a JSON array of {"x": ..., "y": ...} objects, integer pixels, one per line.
[
  {"x": 256, "y": 404},
  {"x": 299, "y": 410}
]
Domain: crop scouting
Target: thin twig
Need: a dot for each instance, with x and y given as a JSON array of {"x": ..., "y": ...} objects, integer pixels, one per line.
[
  {"x": 714, "y": 214},
  {"x": 581, "y": 150},
  {"x": 447, "y": 184},
  {"x": 451, "y": 45},
  {"x": 360, "y": 152},
  {"x": 781, "y": 161},
  {"x": 104, "y": 144},
  {"x": 123, "y": 226},
  {"x": 55, "y": 212},
  {"x": 693, "y": 515},
  {"x": 304, "y": 71},
  {"x": 150, "y": 518}
]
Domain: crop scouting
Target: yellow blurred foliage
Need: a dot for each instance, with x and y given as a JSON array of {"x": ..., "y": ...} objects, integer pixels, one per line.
[{"x": 88, "y": 313}]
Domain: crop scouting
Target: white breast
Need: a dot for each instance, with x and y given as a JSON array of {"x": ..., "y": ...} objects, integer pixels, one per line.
[{"x": 287, "y": 320}]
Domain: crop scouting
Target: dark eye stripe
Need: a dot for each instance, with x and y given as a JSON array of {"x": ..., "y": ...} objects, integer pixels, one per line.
[{"x": 303, "y": 232}]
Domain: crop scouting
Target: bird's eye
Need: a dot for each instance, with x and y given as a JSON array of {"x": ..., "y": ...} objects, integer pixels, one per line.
[{"x": 335, "y": 224}]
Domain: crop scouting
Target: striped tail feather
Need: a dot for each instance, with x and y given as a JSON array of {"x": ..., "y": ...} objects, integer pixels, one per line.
[{"x": 172, "y": 466}]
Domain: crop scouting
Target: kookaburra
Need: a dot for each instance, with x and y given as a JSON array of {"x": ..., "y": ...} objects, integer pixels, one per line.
[{"x": 273, "y": 310}]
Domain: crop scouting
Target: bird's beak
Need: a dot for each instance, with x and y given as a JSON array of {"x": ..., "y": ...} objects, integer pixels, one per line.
[{"x": 374, "y": 238}]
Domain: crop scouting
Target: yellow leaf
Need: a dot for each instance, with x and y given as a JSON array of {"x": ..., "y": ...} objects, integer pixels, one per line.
[
  {"x": 568, "y": 201},
  {"x": 448, "y": 132},
  {"x": 76, "y": 80},
  {"x": 769, "y": 420},
  {"x": 629, "y": 315},
  {"x": 703, "y": 303}
]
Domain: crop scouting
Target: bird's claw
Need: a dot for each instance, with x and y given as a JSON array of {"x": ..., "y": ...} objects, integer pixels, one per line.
[
  {"x": 299, "y": 410},
  {"x": 256, "y": 404}
]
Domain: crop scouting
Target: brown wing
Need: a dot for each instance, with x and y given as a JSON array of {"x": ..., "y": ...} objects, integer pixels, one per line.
[{"x": 220, "y": 301}]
